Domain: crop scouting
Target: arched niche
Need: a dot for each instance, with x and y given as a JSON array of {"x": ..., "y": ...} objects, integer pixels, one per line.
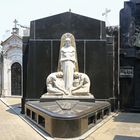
[{"x": 16, "y": 79}]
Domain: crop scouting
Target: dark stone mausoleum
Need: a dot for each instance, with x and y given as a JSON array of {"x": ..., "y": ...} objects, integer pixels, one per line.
[
  {"x": 130, "y": 56},
  {"x": 41, "y": 52}
]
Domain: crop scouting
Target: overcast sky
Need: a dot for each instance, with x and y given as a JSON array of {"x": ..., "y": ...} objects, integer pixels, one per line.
[{"x": 27, "y": 10}]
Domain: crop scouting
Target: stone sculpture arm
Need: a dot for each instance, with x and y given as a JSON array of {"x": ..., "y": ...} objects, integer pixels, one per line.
[
  {"x": 84, "y": 84},
  {"x": 52, "y": 86},
  {"x": 68, "y": 55},
  {"x": 59, "y": 88},
  {"x": 78, "y": 87},
  {"x": 51, "y": 89}
]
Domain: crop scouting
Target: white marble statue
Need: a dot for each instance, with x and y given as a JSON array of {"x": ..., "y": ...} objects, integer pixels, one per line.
[
  {"x": 67, "y": 62},
  {"x": 55, "y": 83},
  {"x": 81, "y": 84},
  {"x": 67, "y": 81}
]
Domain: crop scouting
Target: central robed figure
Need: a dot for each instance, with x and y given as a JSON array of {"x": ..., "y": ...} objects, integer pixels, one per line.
[{"x": 68, "y": 81}]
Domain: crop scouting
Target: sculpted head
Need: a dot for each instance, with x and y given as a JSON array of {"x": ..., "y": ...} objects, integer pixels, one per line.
[
  {"x": 59, "y": 74},
  {"x": 67, "y": 42},
  {"x": 76, "y": 75}
]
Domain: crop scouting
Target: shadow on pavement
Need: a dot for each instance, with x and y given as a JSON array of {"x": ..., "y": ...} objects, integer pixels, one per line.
[
  {"x": 14, "y": 109},
  {"x": 119, "y": 137},
  {"x": 128, "y": 117}
]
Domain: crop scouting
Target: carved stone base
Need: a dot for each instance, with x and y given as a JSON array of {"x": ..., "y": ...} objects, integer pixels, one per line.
[
  {"x": 66, "y": 118},
  {"x": 47, "y": 97}
]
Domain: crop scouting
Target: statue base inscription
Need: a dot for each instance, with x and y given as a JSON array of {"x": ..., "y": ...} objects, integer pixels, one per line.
[{"x": 66, "y": 118}]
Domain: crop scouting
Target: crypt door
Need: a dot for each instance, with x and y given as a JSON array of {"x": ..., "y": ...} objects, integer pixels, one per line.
[{"x": 16, "y": 79}]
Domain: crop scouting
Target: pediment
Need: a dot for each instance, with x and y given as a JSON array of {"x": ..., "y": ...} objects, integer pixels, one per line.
[
  {"x": 53, "y": 27},
  {"x": 12, "y": 42},
  {"x": 13, "y": 39}
]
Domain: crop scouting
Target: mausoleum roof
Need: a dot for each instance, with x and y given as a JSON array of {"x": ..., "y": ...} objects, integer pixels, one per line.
[
  {"x": 9, "y": 38},
  {"x": 53, "y": 27},
  {"x": 136, "y": 1}
]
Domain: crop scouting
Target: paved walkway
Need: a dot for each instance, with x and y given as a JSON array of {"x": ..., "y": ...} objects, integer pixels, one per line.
[
  {"x": 12, "y": 127},
  {"x": 122, "y": 126}
]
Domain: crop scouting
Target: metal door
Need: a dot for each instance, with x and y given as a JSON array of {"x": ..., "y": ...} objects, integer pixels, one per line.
[{"x": 16, "y": 79}]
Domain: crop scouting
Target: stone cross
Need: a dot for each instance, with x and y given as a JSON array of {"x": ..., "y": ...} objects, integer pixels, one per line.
[
  {"x": 15, "y": 22},
  {"x": 106, "y": 14}
]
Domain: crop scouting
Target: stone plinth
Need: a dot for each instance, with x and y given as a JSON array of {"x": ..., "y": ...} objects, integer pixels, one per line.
[
  {"x": 48, "y": 97},
  {"x": 66, "y": 118}
]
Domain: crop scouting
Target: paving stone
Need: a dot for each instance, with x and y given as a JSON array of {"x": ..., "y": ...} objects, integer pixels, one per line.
[
  {"x": 12, "y": 127},
  {"x": 122, "y": 126}
]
